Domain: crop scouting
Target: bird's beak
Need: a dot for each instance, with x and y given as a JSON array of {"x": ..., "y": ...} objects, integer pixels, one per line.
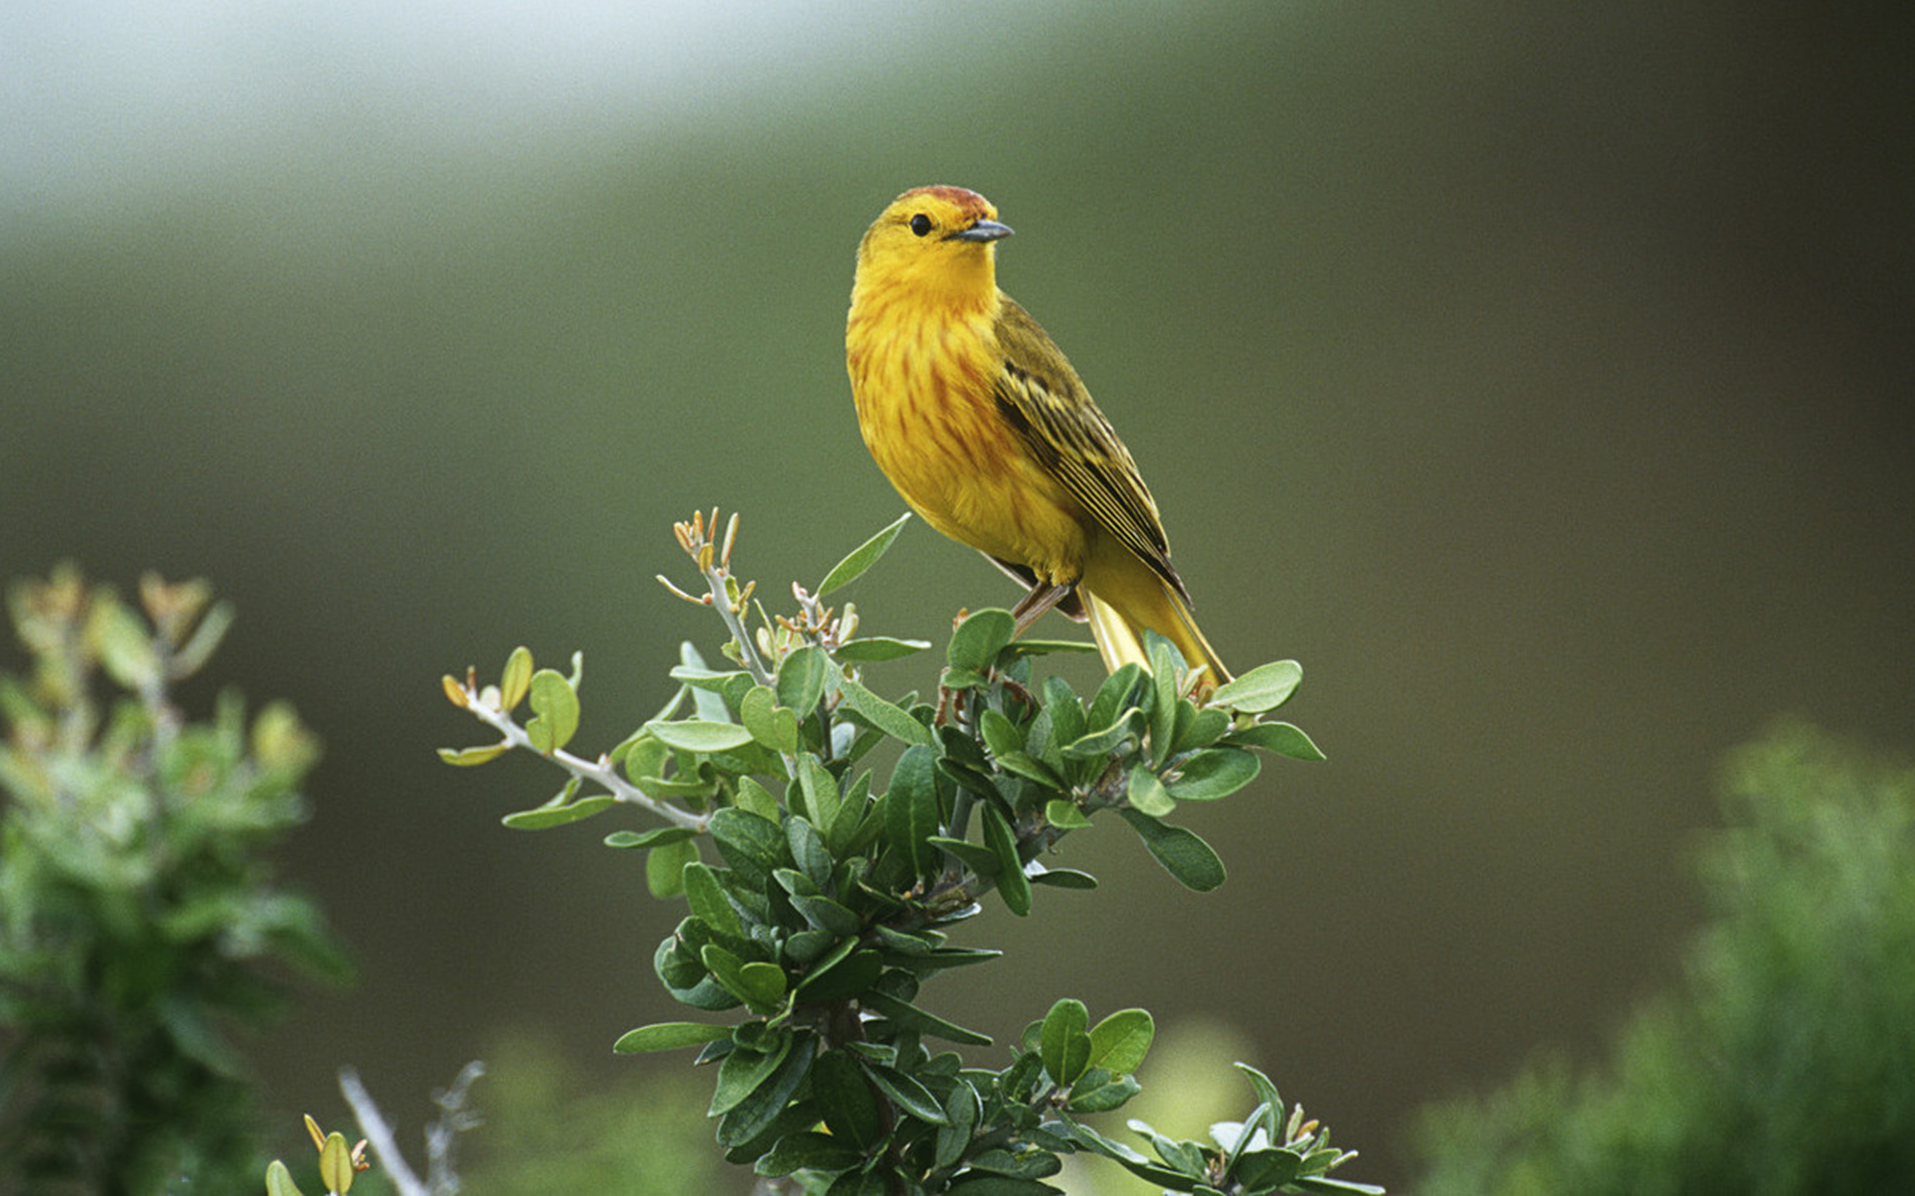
[{"x": 983, "y": 230}]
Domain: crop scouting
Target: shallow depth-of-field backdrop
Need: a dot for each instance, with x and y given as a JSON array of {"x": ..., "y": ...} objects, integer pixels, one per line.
[{"x": 1538, "y": 376}]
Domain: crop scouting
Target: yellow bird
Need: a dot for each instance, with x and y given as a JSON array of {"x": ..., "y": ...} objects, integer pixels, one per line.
[{"x": 985, "y": 429}]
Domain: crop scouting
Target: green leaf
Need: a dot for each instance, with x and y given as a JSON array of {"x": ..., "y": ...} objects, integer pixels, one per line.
[
  {"x": 1119, "y": 1042},
  {"x": 1012, "y": 884},
  {"x": 894, "y": 721},
  {"x": 870, "y": 649},
  {"x": 1265, "y": 687},
  {"x": 911, "y": 1017},
  {"x": 1147, "y": 792},
  {"x": 1000, "y": 734},
  {"x": 911, "y": 810},
  {"x": 809, "y": 1150},
  {"x": 1214, "y": 773},
  {"x": 801, "y": 679},
  {"x": 1198, "y": 728},
  {"x": 555, "y": 707},
  {"x": 983, "y": 1184},
  {"x": 545, "y": 817},
  {"x": 516, "y": 679},
  {"x": 1063, "y": 878},
  {"x": 668, "y": 1036},
  {"x": 658, "y": 836},
  {"x": 1118, "y": 691},
  {"x": 773, "y": 725},
  {"x": 808, "y": 851},
  {"x": 861, "y": 558},
  {"x": 1182, "y": 853},
  {"x": 743, "y": 1071},
  {"x": 708, "y": 901},
  {"x": 1107, "y": 739},
  {"x": 1062, "y": 1042},
  {"x": 700, "y": 735},
  {"x": 1061, "y": 813},
  {"x": 1282, "y": 738},
  {"x": 279, "y": 1180},
  {"x": 1023, "y": 764},
  {"x": 1266, "y": 1169},
  {"x": 844, "y": 979},
  {"x": 753, "y": 846},
  {"x": 827, "y": 915},
  {"x": 1268, "y": 1099},
  {"x": 1099, "y": 1092},
  {"x": 1163, "y": 709},
  {"x": 820, "y": 789},
  {"x": 754, "y": 798},
  {"x": 472, "y": 756},
  {"x": 760, "y": 985},
  {"x": 981, "y": 860},
  {"x": 756, "y": 1112},
  {"x": 977, "y": 641},
  {"x": 665, "y": 867},
  {"x": 910, "y": 1095}
]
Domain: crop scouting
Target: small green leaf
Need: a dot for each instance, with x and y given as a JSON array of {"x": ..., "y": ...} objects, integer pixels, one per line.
[
  {"x": 1214, "y": 773},
  {"x": 820, "y": 789},
  {"x": 801, "y": 679},
  {"x": 753, "y": 846},
  {"x": 848, "y": 977},
  {"x": 909, "y": 1094},
  {"x": 665, "y": 867},
  {"x": 870, "y": 649},
  {"x": 1065, "y": 814},
  {"x": 658, "y": 836},
  {"x": 1012, "y": 884},
  {"x": 1164, "y": 662},
  {"x": 279, "y": 1180},
  {"x": 743, "y": 1071},
  {"x": 977, "y": 641},
  {"x": 1281, "y": 738},
  {"x": 1106, "y": 740},
  {"x": 754, "y": 798},
  {"x": 1099, "y": 1092},
  {"x": 1064, "y": 878},
  {"x": 827, "y": 915},
  {"x": 516, "y": 679},
  {"x": 912, "y": 1018},
  {"x": 1119, "y": 1042},
  {"x": 810, "y": 1150},
  {"x": 808, "y": 851},
  {"x": 755, "y": 1113},
  {"x": 1062, "y": 1041},
  {"x": 861, "y": 558},
  {"x": 1000, "y": 734},
  {"x": 700, "y": 735},
  {"x": 1198, "y": 728},
  {"x": 708, "y": 901},
  {"x": 1025, "y": 765},
  {"x": 1265, "y": 687},
  {"x": 472, "y": 756},
  {"x": 911, "y": 810},
  {"x": 893, "y": 720},
  {"x": 668, "y": 1036},
  {"x": 1147, "y": 792},
  {"x": 555, "y": 710},
  {"x": 1181, "y": 852},
  {"x": 545, "y": 817},
  {"x": 773, "y": 725}
]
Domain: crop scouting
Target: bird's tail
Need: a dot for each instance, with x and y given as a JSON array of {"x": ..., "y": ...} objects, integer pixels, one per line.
[{"x": 1120, "y": 614}]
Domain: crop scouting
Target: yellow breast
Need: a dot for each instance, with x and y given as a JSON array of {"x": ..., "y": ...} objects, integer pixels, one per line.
[{"x": 922, "y": 378}]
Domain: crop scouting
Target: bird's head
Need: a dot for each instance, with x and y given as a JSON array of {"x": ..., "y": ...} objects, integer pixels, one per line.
[{"x": 936, "y": 241}]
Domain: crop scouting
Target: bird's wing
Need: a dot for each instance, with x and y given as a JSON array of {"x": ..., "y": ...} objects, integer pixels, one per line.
[{"x": 1040, "y": 396}]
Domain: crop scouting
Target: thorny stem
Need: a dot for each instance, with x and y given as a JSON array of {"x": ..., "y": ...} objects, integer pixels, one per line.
[{"x": 599, "y": 772}]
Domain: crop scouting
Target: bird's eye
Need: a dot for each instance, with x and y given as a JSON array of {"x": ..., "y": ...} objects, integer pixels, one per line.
[{"x": 920, "y": 224}]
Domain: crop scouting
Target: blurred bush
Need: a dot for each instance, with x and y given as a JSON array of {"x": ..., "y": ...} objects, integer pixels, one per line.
[
  {"x": 1784, "y": 1060},
  {"x": 137, "y": 908}
]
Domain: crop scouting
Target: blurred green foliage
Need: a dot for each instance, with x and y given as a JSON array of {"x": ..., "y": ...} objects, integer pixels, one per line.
[
  {"x": 1784, "y": 1062},
  {"x": 137, "y": 908}
]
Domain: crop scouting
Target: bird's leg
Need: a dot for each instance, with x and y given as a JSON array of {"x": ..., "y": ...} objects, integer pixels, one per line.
[{"x": 1034, "y": 604}]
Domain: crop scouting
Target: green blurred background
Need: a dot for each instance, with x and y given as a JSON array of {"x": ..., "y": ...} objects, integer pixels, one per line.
[{"x": 1538, "y": 376}]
